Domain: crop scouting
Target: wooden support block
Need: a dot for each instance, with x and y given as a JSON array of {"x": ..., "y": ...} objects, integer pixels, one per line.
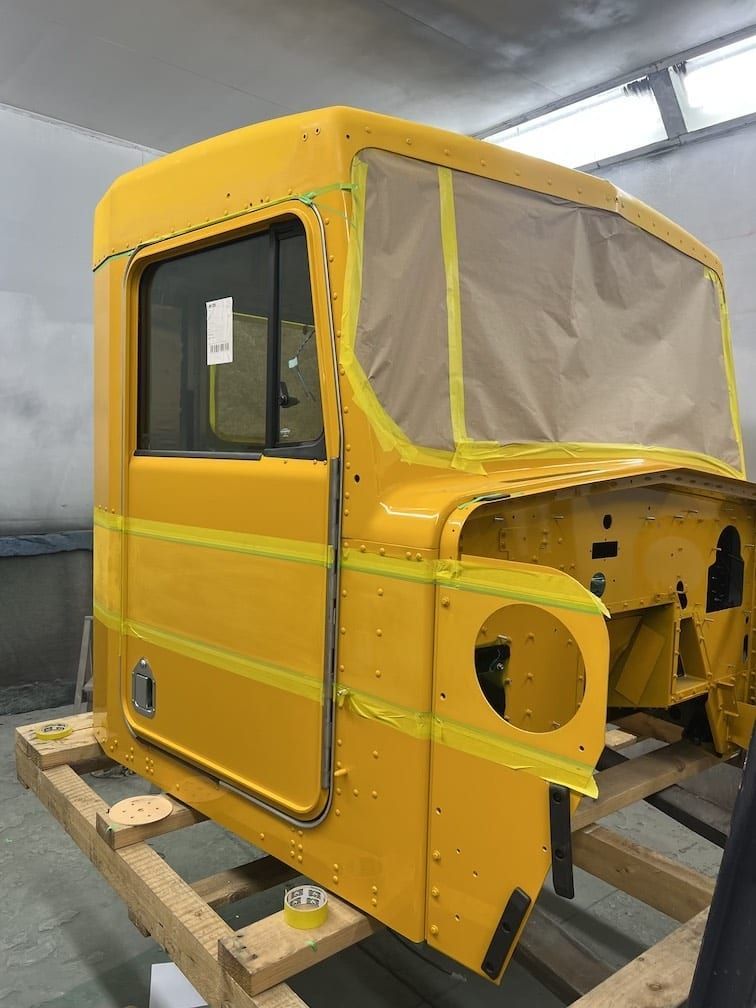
[
  {"x": 269, "y": 951},
  {"x": 673, "y": 888},
  {"x": 629, "y": 782},
  {"x": 246, "y": 880},
  {"x": 164, "y": 904},
  {"x": 659, "y": 978},
  {"x": 117, "y": 835},
  {"x": 79, "y": 750},
  {"x": 647, "y": 726},
  {"x": 557, "y": 960},
  {"x": 616, "y": 738}
]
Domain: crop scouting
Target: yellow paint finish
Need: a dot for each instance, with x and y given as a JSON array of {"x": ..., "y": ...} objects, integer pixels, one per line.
[{"x": 217, "y": 572}]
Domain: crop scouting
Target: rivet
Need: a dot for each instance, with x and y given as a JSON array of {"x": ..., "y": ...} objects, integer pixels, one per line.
[
  {"x": 434, "y": 929},
  {"x": 435, "y": 893},
  {"x": 343, "y": 630},
  {"x": 379, "y": 632},
  {"x": 374, "y": 890},
  {"x": 378, "y": 673},
  {"x": 363, "y": 548},
  {"x": 445, "y": 601},
  {"x": 408, "y": 554},
  {"x": 299, "y": 858},
  {"x": 262, "y": 836},
  {"x": 337, "y": 812},
  {"x": 436, "y": 855},
  {"x": 418, "y": 556},
  {"x": 356, "y": 792},
  {"x": 335, "y": 878},
  {"x": 375, "y": 754},
  {"x": 374, "y": 794},
  {"x": 380, "y": 591},
  {"x": 382, "y": 551},
  {"x": 335, "y": 867}
]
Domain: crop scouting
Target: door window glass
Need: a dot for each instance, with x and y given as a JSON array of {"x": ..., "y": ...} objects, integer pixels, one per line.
[{"x": 227, "y": 355}]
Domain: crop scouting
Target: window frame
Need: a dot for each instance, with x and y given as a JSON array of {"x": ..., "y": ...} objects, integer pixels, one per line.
[{"x": 276, "y": 229}]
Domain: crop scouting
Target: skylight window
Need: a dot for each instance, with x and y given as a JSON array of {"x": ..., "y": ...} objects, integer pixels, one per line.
[
  {"x": 595, "y": 128},
  {"x": 718, "y": 86}
]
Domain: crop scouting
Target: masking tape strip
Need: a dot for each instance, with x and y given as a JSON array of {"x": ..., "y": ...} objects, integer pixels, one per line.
[
  {"x": 309, "y": 199},
  {"x": 515, "y": 755},
  {"x": 473, "y": 741},
  {"x": 519, "y": 582},
  {"x": 417, "y": 724},
  {"x": 470, "y": 456},
  {"x": 724, "y": 318},
  {"x": 453, "y": 306},
  {"x": 270, "y": 547}
]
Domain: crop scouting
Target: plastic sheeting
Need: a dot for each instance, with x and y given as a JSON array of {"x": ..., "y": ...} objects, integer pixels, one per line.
[{"x": 491, "y": 316}]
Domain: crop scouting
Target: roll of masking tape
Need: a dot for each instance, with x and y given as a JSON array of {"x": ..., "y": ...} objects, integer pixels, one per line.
[
  {"x": 305, "y": 907},
  {"x": 53, "y": 731}
]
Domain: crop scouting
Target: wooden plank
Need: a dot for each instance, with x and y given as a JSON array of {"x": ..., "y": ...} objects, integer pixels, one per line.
[
  {"x": 659, "y": 978},
  {"x": 616, "y": 738},
  {"x": 557, "y": 960},
  {"x": 673, "y": 888},
  {"x": 269, "y": 951},
  {"x": 166, "y": 906},
  {"x": 117, "y": 836},
  {"x": 80, "y": 749},
  {"x": 647, "y": 726},
  {"x": 246, "y": 880},
  {"x": 620, "y": 786}
]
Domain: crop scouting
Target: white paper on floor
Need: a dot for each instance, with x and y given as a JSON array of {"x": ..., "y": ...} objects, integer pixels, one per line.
[{"x": 169, "y": 988}]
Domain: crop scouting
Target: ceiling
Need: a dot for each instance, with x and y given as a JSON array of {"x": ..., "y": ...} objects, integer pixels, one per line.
[{"x": 164, "y": 73}]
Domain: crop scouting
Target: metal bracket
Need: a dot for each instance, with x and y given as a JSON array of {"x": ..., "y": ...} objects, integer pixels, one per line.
[{"x": 561, "y": 841}]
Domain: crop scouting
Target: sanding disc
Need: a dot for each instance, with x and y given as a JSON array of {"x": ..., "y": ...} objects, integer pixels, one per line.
[{"x": 140, "y": 810}]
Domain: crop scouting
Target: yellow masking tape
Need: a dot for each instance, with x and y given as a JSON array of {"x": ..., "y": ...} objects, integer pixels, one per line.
[
  {"x": 522, "y": 582},
  {"x": 515, "y": 755},
  {"x": 295, "y": 550},
  {"x": 262, "y": 672},
  {"x": 724, "y": 318},
  {"x": 305, "y": 907},
  {"x": 453, "y": 307},
  {"x": 473, "y": 741},
  {"x": 410, "y": 722}
]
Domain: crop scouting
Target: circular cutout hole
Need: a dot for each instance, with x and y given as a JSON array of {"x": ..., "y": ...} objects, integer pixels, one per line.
[
  {"x": 438, "y": 810},
  {"x": 456, "y": 917},
  {"x": 443, "y": 696},
  {"x": 458, "y": 851},
  {"x": 529, "y": 668},
  {"x": 475, "y": 874},
  {"x": 356, "y": 477},
  {"x": 607, "y": 521}
]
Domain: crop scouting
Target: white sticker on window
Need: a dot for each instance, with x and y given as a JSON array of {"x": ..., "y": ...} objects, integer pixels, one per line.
[{"x": 220, "y": 331}]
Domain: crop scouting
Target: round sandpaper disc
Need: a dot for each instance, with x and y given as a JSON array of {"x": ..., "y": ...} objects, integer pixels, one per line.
[{"x": 140, "y": 810}]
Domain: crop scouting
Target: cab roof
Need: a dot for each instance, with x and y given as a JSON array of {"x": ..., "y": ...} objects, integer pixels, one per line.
[{"x": 300, "y": 155}]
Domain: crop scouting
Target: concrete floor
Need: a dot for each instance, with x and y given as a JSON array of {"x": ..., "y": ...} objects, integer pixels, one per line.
[{"x": 66, "y": 941}]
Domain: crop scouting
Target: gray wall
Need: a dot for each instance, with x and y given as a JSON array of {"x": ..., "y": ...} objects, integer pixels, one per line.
[
  {"x": 708, "y": 188},
  {"x": 51, "y": 177}
]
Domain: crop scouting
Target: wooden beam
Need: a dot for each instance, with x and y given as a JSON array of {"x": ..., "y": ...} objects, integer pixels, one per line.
[
  {"x": 269, "y": 951},
  {"x": 673, "y": 888},
  {"x": 163, "y": 903},
  {"x": 246, "y": 880},
  {"x": 647, "y": 726},
  {"x": 622, "y": 785},
  {"x": 117, "y": 835},
  {"x": 659, "y": 978},
  {"x": 558, "y": 961},
  {"x": 80, "y": 749}
]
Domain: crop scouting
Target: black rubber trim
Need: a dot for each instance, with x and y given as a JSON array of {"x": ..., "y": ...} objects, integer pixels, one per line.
[{"x": 505, "y": 933}]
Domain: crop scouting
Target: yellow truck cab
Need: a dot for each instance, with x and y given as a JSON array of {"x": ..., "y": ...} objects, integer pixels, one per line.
[{"x": 416, "y": 461}]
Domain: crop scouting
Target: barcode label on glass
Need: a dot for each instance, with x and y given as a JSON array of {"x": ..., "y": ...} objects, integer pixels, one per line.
[{"x": 220, "y": 331}]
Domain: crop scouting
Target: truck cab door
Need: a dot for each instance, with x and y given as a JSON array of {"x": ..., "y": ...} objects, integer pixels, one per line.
[{"x": 231, "y": 487}]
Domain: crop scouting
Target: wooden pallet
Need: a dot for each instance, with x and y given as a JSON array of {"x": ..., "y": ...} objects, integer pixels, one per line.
[{"x": 241, "y": 969}]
